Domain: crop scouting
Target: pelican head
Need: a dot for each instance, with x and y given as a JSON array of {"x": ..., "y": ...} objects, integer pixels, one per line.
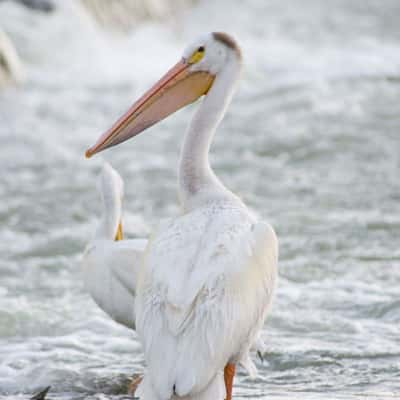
[
  {"x": 192, "y": 77},
  {"x": 111, "y": 185}
]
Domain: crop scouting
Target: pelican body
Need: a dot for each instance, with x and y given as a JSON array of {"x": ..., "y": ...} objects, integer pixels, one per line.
[{"x": 205, "y": 280}]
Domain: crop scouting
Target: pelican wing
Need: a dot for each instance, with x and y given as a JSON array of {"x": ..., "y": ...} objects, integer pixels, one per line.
[
  {"x": 203, "y": 294},
  {"x": 110, "y": 276}
]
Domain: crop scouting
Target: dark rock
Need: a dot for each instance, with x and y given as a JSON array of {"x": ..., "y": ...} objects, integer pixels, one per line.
[
  {"x": 41, "y": 395},
  {"x": 41, "y": 5}
]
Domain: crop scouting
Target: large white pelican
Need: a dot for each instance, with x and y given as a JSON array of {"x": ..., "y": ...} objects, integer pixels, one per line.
[{"x": 206, "y": 278}]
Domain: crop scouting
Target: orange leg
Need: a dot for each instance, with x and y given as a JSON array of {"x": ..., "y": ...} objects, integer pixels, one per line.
[
  {"x": 134, "y": 384},
  {"x": 229, "y": 374}
]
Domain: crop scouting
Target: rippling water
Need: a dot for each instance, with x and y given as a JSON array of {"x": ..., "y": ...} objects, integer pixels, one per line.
[{"x": 311, "y": 141}]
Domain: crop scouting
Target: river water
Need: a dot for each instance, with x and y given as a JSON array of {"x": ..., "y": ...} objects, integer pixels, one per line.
[{"x": 311, "y": 141}]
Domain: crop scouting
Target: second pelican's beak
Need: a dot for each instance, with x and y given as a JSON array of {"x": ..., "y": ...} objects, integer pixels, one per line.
[{"x": 178, "y": 88}]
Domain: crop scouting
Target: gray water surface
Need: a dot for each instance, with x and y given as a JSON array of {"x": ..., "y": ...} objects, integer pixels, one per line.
[{"x": 311, "y": 142}]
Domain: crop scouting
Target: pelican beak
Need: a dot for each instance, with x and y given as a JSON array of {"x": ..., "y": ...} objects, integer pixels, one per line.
[{"x": 176, "y": 89}]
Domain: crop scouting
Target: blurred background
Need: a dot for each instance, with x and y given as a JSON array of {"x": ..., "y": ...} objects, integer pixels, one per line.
[{"x": 311, "y": 142}]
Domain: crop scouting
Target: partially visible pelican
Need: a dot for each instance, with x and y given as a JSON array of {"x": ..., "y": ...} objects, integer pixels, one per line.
[
  {"x": 110, "y": 264},
  {"x": 11, "y": 70},
  {"x": 206, "y": 278}
]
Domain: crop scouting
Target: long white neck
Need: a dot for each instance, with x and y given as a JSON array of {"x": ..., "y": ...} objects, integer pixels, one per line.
[
  {"x": 197, "y": 181},
  {"x": 111, "y": 215}
]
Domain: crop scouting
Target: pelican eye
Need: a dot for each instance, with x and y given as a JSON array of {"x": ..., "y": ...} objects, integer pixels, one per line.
[{"x": 197, "y": 55}]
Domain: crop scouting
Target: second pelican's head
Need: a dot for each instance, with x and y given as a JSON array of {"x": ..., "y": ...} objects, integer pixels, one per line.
[
  {"x": 111, "y": 188},
  {"x": 191, "y": 78}
]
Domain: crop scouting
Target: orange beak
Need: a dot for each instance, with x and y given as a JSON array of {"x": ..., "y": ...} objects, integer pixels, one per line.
[{"x": 176, "y": 89}]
